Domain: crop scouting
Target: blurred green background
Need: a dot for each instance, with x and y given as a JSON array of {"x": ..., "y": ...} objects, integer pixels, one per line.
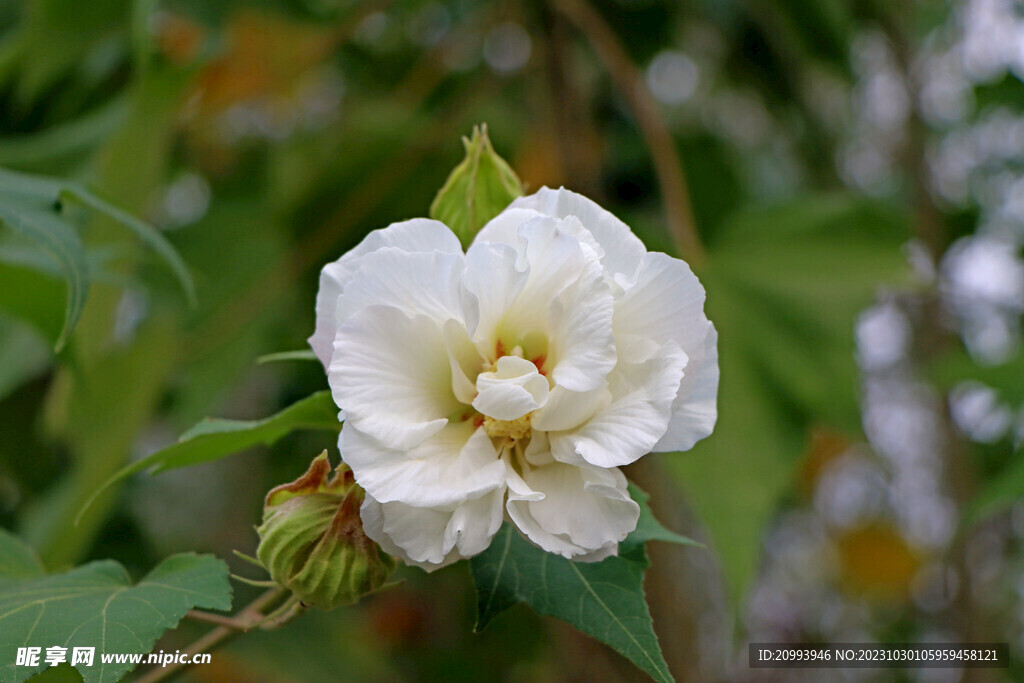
[{"x": 846, "y": 178}]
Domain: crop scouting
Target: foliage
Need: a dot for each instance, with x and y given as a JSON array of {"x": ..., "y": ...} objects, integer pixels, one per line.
[
  {"x": 246, "y": 143},
  {"x": 603, "y": 599},
  {"x": 96, "y": 605}
]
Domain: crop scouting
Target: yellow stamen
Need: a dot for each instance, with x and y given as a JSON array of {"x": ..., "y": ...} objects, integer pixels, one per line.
[{"x": 514, "y": 429}]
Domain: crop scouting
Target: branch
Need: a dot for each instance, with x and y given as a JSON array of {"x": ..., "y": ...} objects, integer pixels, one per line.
[
  {"x": 248, "y": 617},
  {"x": 667, "y": 164}
]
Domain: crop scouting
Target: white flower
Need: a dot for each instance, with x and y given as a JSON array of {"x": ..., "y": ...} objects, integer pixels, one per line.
[{"x": 512, "y": 380}]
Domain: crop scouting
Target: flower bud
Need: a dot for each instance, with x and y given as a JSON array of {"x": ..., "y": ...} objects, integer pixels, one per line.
[
  {"x": 477, "y": 190},
  {"x": 312, "y": 540}
]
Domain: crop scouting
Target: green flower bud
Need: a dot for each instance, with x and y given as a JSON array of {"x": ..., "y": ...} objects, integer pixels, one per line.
[
  {"x": 477, "y": 190},
  {"x": 312, "y": 540}
]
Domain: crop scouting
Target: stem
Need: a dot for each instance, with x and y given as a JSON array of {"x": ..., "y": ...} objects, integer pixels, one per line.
[
  {"x": 247, "y": 618},
  {"x": 668, "y": 166}
]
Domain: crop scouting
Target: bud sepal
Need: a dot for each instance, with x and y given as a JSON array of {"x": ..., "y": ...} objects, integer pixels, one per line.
[{"x": 312, "y": 540}]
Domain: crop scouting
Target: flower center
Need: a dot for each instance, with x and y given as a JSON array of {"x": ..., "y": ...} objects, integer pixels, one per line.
[{"x": 513, "y": 429}]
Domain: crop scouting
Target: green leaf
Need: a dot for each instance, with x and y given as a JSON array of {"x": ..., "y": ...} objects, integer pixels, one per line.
[
  {"x": 213, "y": 439},
  {"x": 302, "y": 354},
  {"x": 603, "y": 599},
  {"x": 40, "y": 222},
  {"x": 18, "y": 562},
  {"x": 648, "y": 528},
  {"x": 477, "y": 190},
  {"x": 31, "y": 206},
  {"x": 97, "y": 606},
  {"x": 149, "y": 235},
  {"x": 31, "y": 295},
  {"x": 785, "y": 286}
]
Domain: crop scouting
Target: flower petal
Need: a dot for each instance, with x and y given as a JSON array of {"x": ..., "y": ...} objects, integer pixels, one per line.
[
  {"x": 585, "y": 510},
  {"x": 635, "y": 419},
  {"x": 554, "y": 288},
  {"x": 567, "y": 409},
  {"x": 463, "y": 359},
  {"x": 622, "y": 249},
  {"x": 419, "y": 234},
  {"x": 582, "y": 344},
  {"x": 493, "y": 281},
  {"x": 390, "y": 372},
  {"x": 514, "y": 389},
  {"x": 695, "y": 408},
  {"x": 665, "y": 302},
  {"x": 422, "y": 283},
  {"x": 432, "y": 538},
  {"x": 457, "y": 464}
]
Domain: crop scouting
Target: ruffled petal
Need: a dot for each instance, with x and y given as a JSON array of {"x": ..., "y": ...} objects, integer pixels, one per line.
[
  {"x": 432, "y": 538},
  {"x": 391, "y": 374},
  {"x": 464, "y": 360},
  {"x": 585, "y": 512},
  {"x": 695, "y": 409},
  {"x": 635, "y": 419},
  {"x": 567, "y": 409},
  {"x": 582, "y": 345},
  {"x": 622, "y": 250},
  {"x": 664, "y": 303},
  {"x": 422, "y": 283},
  {"x": 493, "y": 281},
  {"x": 457, "y": 464},
  {"x": 512, "y": 390},
  {"x": 545, "y": 285},
  {"x": 417, "y": 235}
]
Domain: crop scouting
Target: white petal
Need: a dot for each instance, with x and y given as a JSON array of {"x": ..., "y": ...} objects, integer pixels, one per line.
[
  {"x": 665, "y": 303},
  {"x": 424, "y": 283},
  {"x": 464, "y": 360},
  {"x": 457, "y": 464},
  {"x": 695, "y": 408},
  {"x": 622, "y": 249},
  {"x": 514, "y": 389},
  {"x": 635, "y": 419},
  {"x": 392, "y": 376},
  {"x": 582, "y": 345},
  {"x": 584, "y": 509},
  {"x": 494, "y": 282},
  {"x": 419, "y": 234},
  {"x": 432, "y": 538},
  {"x": 554, "y": 260},
  {"x": 567, "y": 409},
  {"x": 547, "y": 285}
]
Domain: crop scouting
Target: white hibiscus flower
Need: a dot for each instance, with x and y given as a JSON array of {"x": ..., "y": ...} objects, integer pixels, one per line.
[{"x": 512, "y": 381}]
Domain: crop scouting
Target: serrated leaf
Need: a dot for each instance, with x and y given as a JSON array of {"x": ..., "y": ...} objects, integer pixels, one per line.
[
  {"x": 213, "y": 439},
  {"x": 477, "y": 190},
  {"x": 603, "y": 599},
  {"x": 96, "y": 605},
  {"x": 18, "y": 562}
]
